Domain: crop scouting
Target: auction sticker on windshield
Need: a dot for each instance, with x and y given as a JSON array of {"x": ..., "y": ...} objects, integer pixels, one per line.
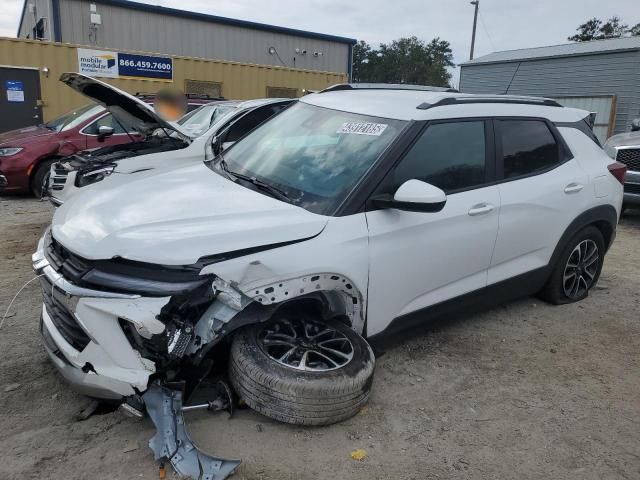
[{"x": 363, "y": 128}]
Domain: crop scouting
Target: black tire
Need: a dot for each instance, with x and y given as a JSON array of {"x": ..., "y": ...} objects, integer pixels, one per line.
[
  {"x": 555, "y": 291},
  {"x": 40, "y": 176},
  {"x": 295, "y": 396}
]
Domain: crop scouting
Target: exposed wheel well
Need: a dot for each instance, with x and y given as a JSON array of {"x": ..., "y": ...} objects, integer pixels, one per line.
[{"x": 606, "y": 230}]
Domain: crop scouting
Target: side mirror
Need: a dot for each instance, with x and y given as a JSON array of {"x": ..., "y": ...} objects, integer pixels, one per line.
[
  {"x": 414, "y": 196},
  {"x": 216, "y": 145},
  {"x": 635, "y": 125},
  {"x": 104, "y": 131}
]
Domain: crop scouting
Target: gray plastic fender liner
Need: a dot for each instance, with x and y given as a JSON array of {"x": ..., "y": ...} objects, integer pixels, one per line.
[{"x": 172, "y": 441}]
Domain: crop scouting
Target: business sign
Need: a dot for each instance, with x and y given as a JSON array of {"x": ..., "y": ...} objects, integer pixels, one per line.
[
  {"x": 15, "y": 90},
  {"x": 97, "y": 63},
  {"x": 101, "y": 63},
  {"x": 144, "y": 66}
]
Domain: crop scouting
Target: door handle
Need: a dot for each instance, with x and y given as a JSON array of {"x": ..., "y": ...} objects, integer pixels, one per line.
[
  {"x": 573, "y": 187},
  {"x": 481, "y": 209}
]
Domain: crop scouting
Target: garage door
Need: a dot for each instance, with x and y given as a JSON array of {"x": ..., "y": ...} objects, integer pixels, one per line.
[{"x": 603, "y": 105}]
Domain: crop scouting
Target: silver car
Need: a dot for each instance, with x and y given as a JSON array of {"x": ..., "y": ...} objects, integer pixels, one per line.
[{"x": 625, "y": 148}]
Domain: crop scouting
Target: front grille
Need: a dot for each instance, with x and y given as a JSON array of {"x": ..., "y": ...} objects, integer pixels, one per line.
[
  {"x": 632, "y": 188},
  {"x": 64, "y": 320},
  {"x": 71, "y": 266},
  {"x": 58, "y": 178},
  {"x": 630, "y": 157}
]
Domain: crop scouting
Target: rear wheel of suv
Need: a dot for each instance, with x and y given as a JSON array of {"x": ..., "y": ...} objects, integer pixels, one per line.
[
  {"x": 302, "y": 370},
  {"x": 578, "y": 268},
  {"x": 40, "y": 178}
]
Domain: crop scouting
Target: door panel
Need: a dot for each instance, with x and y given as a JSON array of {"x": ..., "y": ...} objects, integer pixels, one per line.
[
  {"x": 534, "y": 214},
  {"x": 539, "y": 201},
  {"x": 19, "y": 98},
  {"x": 421, "y": 259}
]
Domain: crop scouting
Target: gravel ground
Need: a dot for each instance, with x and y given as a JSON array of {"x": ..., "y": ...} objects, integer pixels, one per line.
[{"x": 523, "y": 391}]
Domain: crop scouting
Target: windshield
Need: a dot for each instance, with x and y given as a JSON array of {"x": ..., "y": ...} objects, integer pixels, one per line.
[
  {"x": 314, "y": 155},
  {"x": 74, "y": 118},
  {"x": 201, "y": 119}
]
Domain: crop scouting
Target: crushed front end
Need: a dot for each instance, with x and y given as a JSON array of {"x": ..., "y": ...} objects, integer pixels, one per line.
[{"x": 111, "y": 327}]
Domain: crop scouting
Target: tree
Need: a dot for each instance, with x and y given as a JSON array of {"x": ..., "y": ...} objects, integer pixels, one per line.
[
  {"x": 587, "y": 31},
  {"x": 614, "y": 28},
  {"x": 596, "y": 29},
  {"x": 635, "y": 30},
  {"x": 406, "y": 60}
]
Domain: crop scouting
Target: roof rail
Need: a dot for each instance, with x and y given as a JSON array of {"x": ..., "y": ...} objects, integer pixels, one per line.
[
  {"x": 547, "y": 102},
  {"x": 387, "y": 86}
]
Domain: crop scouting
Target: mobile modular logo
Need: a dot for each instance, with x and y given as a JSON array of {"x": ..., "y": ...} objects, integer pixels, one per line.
[{"x": 97, "y": 63}]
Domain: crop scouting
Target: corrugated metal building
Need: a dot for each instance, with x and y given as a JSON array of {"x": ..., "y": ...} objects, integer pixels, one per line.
[
  {"x": 125, "y": 25},
  {"x": 601, "y": 76}
]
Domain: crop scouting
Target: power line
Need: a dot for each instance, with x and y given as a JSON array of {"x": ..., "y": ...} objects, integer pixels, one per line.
[{"x": 484, "y": 26}]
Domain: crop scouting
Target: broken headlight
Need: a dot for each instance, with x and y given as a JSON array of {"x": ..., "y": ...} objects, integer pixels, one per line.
[{"x": 89, "y": 177}]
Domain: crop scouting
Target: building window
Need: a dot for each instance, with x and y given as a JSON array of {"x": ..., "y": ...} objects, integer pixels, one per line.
[
  {"x": 282, "y": 92},
  {"x": 203, "y": 87}
]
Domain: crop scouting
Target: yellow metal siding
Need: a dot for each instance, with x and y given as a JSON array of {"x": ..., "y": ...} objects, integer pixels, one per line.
[{"x": 239, "y": 81}]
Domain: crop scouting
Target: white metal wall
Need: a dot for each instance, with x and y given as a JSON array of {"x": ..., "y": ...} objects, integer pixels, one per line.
[{"x": 602, "y": 105}]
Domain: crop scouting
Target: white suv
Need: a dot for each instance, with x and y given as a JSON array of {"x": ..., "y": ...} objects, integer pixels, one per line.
[{"x": 354, "y": 211}]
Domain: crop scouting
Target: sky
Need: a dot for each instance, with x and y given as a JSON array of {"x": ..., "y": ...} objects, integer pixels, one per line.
[{"x": 503, "y": 24}]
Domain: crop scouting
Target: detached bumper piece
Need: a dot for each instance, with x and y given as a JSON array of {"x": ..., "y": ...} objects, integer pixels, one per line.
[{"x": 171, "y": 441}]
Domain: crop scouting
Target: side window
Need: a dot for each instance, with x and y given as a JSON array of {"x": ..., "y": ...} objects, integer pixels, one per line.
[
  {"x": 528, "y": 146},
  {"x": 449, "y": 155},
  {"x": 250, "y": 121},
  {"x": 108, "y": 121}
]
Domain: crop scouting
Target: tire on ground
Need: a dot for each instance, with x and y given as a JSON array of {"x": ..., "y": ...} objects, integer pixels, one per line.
[
  {"x": 553, "y": 291},
  {"x": 295, "y": 396}
]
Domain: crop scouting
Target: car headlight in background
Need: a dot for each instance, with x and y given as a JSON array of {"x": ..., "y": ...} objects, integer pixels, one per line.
[
  {"x": 94, "y": 176},
  {"x": 9, "y": 151}
]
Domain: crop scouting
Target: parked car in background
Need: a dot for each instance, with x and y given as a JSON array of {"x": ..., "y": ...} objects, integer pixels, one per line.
[
  {"x": 209, "y": 128},
  {"x": 625, "y": 148},
  {"x": 349, "y": 214},
  {"x": 26, "y": 154}
]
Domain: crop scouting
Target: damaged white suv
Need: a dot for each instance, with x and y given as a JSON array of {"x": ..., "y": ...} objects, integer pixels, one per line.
[{"x": 349, "y": 213}]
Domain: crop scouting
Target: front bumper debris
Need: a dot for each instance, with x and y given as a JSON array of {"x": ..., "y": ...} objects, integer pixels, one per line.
[{"x": 172, "y": 443}]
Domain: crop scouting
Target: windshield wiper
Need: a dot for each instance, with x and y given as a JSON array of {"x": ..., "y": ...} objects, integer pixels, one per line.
[{"x": 274, "y": 191}]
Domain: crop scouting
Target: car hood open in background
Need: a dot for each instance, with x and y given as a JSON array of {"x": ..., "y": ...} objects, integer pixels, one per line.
[
  {"x": 126, "y": 108},
  {"x": 177, "y": 217}
]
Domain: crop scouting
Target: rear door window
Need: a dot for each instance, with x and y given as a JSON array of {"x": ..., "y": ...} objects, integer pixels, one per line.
[{"x": 528, "y": 146}]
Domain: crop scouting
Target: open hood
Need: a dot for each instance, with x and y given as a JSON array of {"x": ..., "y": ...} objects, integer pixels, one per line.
[{"x": 127, "y": 108}]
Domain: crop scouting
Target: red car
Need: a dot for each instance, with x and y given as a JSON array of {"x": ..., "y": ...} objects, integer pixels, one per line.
[{"x": 26, "y": 154}]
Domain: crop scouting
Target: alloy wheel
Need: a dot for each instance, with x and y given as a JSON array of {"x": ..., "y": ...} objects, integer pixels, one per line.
[
  {"x": 581, "y": 269},
  {"x": 305, "y": 345}
]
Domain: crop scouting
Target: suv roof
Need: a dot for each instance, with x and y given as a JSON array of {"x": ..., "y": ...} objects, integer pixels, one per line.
[{"x": 402, "y": 104}]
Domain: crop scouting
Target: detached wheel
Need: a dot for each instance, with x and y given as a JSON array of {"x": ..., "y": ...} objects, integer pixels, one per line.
[
  {"x": 301, "y": 370},
  {"x": 41, "y": 178},
  {"x": 578, "y": 268}
]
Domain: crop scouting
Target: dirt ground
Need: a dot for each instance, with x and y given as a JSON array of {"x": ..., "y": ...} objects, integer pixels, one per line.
[{"x": 524, "y": 391}]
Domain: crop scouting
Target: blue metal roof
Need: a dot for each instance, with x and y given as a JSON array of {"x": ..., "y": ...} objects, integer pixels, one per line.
[
  {"x": 565, "y": 50},
  {"x": 217, "y": 19}
]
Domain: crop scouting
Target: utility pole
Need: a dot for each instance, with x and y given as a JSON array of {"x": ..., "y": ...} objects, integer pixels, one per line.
[{"x": 475, "y": 23}]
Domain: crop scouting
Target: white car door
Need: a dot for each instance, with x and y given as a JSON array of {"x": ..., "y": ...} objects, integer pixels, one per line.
[
  {"x": 421, "y": 259},
  {"x": 543, "y": 189}
]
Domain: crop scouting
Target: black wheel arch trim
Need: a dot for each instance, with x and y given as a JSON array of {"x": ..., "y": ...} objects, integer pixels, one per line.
[{"x": 606, "y": 214}]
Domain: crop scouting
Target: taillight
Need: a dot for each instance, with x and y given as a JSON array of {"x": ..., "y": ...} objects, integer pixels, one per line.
[{"x": 618, "y": 170}]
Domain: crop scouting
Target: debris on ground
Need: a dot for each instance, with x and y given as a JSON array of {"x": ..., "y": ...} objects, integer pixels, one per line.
[
  {"x": 11, "y": 387},
  {"x": 87, "y": 411},
  {"x": 172, "y": 443},
  {"x": 359, "y": 454}
]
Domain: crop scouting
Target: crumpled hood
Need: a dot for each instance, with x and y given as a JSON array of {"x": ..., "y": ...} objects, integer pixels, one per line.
[
  {"x": 176, "y": 217},
  {"x": 22, "y": 135},
  {"x": 629, "y": 139}
]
